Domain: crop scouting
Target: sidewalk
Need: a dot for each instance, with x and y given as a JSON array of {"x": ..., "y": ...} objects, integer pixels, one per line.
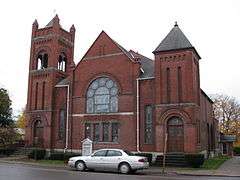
[{"x": 230, "y": 168}]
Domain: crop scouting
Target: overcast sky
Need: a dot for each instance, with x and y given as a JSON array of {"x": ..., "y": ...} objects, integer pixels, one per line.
[{"x": 212, "y": 26}]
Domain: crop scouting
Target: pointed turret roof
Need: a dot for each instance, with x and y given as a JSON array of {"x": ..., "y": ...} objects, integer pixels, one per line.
[{"x": 175, "y": 40}]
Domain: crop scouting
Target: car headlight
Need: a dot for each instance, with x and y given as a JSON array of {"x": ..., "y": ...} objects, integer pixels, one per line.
[{"x": 71, "y": 159}]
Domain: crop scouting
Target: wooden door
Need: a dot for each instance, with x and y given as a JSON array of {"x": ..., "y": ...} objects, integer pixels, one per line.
[
  {"x": 38, "y": 133},
  {"x": 175, "y": 135}
]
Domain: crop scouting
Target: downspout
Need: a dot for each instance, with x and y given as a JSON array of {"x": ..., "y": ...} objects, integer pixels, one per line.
[
  {"x": 138, "y": 115},
  {"x": 66, "y": 144},
  {"x": 138, "y": 134},
  {"x": 66, "y": 140}
]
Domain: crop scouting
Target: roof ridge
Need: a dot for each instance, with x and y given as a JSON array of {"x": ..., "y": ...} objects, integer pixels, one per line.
[{"x": 140, "y": 55}]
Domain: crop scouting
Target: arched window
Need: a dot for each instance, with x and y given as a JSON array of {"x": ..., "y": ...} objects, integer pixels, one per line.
[
  {"x": 42, "y": 60},
  {"x": 62, "y": 61},
  {"x": 175, "y": 121},
  {"x": 102, "y": 96}
]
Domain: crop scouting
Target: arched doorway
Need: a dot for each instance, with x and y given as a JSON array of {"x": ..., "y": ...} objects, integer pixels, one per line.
[
  {"x": 175, "y": 135},
  {"x": 38, "y": 133}
]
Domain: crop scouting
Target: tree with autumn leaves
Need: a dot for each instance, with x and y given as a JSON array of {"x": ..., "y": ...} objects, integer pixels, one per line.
[
  {"x": 8, "y": 134},
  {"x": 227, "y": 112},
  {"x": 21, "y": 120}
]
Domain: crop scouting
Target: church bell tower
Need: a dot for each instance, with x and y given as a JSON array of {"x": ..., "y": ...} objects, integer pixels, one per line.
[{"x": 51, "y": 60}]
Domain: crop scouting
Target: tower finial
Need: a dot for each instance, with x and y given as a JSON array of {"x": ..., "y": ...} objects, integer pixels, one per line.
[{"x": 175, "y": 25}]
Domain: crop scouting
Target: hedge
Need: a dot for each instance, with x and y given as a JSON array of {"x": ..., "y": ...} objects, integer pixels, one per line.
[
  {"x": 147, "y": 155},
  {"x": 37, "y": 154},
  {"x": 62, "y": 156},
  {"x": 236, "y": 150},
  {"x": 194, "y": 160},
  {"x": 7, "y": 151}
]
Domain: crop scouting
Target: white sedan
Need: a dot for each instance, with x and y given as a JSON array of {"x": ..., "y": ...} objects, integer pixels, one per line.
[{"x": 109, "y": 160}]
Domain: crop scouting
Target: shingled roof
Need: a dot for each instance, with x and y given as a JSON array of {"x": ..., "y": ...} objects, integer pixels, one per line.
[
  {"x": 175, "y": 40},
  {"x": 147, "y": 64}
]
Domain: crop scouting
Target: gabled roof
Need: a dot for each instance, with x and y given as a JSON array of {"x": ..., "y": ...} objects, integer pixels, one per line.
[
  {"x": 209, "y": 99},
  {"x": 128, "y": 54},
  {"x": 175, "y": 40},
  {"x": 147, "y": 64},
  {"x": 103, "y": 33}
]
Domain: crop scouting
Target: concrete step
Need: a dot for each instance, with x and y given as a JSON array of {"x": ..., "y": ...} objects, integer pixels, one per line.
[{"x": 173, "y": 159}]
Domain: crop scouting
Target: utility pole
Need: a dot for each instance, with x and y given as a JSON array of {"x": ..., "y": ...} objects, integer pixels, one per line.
[{"x": 164, "y": 153}]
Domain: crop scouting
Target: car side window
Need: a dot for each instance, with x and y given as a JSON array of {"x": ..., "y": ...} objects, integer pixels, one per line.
[
  {"x": 114, "y": 153},
  {"x": 100, "y": 153}
]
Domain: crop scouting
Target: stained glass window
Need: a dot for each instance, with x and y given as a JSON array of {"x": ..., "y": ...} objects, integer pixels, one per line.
[
  {"x": 62, "y": 124},
  {"x": 102, "y": 96},
  {"x": 102, "y": 131},
  {"x": 148, "y": 125},
  {"x": 105, "y": 132},
  {"x": 96, "y": 132},
  {"x": 115, "y": 133}
]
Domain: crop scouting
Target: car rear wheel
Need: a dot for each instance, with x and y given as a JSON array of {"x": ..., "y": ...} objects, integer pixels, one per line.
[
  {"x": 124, "y": 168},
  {"x": 80, "y": 166}
]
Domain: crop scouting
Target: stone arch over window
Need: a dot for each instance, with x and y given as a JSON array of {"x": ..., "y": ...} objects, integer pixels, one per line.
[
  {"x": 42, "y": 60},
  {"x": 162, "y": 120},
  {"x": 102, "y": 96},
  {"x": 62, "y": 62}
]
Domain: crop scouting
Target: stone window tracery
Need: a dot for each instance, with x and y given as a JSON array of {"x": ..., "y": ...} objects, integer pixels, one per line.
[{"x": 102, "y": 96}]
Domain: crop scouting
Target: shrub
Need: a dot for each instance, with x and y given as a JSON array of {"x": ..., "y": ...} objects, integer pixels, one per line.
[
  {"x": 62, "y": 156},
  {"x": 194, "y": 160},
  {"x": 147, "y": 155},
  {"x": 236, "y": 150},
  {"x": 7, "y": 151},
  {"x": 37, "y": 154}
]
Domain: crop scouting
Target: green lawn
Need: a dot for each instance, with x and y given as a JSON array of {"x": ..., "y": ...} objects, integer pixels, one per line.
[{"x": 214, "y": 163}]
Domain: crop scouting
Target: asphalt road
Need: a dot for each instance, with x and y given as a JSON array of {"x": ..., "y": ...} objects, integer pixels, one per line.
[{"x": 24, "y": 172}]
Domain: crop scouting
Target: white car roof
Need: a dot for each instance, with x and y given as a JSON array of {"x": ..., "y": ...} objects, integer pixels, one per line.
[{"x": 109, "y": 149}]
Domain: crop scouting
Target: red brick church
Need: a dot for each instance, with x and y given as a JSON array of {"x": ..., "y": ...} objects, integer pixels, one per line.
[{"x": 115, "y": 97}]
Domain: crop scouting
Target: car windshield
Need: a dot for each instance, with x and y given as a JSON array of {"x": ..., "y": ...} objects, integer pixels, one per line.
[{"x": 129, "y": 153}]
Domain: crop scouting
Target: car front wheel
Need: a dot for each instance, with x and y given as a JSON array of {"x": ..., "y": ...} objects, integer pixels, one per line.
[
  {"x": 80, "y": 166},
  {"x": 124, "y": 168}
]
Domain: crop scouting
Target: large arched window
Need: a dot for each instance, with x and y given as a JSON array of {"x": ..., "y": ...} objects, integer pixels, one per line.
[
  {"x": 102, "y": 96},
  {"x": 62, "y": 61},
  {"x": 42, "y": 60}
]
